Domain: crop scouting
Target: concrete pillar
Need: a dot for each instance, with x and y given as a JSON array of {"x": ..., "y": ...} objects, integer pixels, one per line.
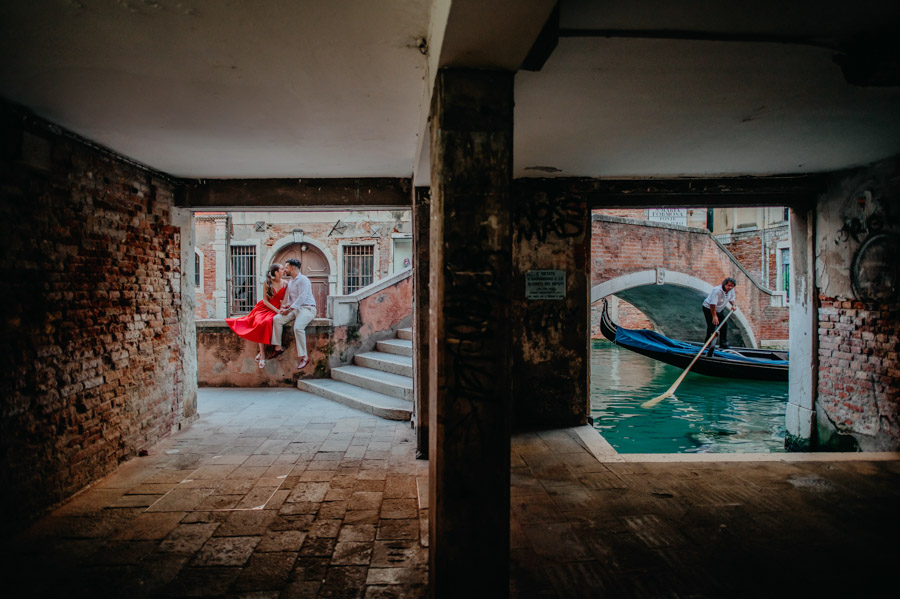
[
  {"x": 184, "y": 220},
  {"x": 551, "y": 328},
  {"x": 469, "y": 361},
  {"x": 220, "y": 245},
  {"x": 421, "y": 216},
  {"x": 803, "y": 369}
]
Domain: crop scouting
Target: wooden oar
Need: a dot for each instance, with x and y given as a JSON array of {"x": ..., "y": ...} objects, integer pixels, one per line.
[{"x": 671, "y": 391}]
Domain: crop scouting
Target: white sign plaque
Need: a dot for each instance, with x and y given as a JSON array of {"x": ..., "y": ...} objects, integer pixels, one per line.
[
  {"x": 545, "y": 284},
  {"x": 668, "y": 216}
]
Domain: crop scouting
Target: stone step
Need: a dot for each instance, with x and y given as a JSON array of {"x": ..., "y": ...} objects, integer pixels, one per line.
[
  {"x": 388, "y": 383},
  {"x": 371, "y": 402},
  {"x": 405, "y": 334},
  {"x": 400, "y": 347},
  {"x": 385, "y": 362}
]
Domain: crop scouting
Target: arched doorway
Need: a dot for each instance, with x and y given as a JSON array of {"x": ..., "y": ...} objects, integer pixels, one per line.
[{"x": 315, "y": 266}]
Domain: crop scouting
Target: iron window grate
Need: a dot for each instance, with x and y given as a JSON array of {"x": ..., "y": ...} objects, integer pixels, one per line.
[
  {"x": 243, "y": 278},
  {"x": 359, "y": 267}
]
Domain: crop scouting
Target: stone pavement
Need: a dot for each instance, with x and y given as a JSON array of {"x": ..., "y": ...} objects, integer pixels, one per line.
[
  {"x": 700, "y": 526},
  {"x": 279, "y": 493},
  {"x": 270, "y": 493}
]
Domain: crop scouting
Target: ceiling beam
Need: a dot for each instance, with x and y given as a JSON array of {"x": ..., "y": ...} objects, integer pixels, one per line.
[
  {"x": 295, "y": 194},
  {"x": 792, "y": 191}
]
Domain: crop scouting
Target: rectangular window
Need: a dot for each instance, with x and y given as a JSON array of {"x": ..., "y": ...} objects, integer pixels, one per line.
[
  {"x": 196, "y": 269},
  {"x": 243, "y": 278},
  {"x": 359, "y": 267},
  {"x": 785, "y": 282}
]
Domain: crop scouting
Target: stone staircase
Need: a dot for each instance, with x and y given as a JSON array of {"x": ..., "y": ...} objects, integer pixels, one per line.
[{"x": 378, "y": 382}]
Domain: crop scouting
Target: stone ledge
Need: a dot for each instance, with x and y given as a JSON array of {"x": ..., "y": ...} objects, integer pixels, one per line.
[{"x": 212, "y": 323}]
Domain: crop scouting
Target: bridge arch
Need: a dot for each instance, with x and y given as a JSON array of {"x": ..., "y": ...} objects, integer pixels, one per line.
[{"x": 671, "y": 300}]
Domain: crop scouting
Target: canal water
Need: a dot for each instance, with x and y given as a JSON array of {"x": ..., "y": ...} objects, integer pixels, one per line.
[{"x": 706, "y": 415}]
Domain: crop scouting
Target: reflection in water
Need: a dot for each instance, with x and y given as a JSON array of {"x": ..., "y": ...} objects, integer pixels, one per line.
[{"x": 707, "y": 414}]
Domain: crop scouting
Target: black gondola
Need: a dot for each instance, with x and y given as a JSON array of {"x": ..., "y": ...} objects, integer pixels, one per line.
[{"x": 733, "y": 363}]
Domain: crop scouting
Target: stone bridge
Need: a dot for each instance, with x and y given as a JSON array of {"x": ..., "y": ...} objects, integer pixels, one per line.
[{"x": 666, "y": 271}]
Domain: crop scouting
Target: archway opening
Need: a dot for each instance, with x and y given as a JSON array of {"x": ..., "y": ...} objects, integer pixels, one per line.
[{"x": 651, "y": 269}]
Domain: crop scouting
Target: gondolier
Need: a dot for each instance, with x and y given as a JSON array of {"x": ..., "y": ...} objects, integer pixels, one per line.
[{"x": 714, "y": 311}]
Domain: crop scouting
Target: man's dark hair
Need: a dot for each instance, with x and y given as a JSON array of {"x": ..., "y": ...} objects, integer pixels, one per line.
[
  {"x": 725, "y": 282},
  {"x": 293, "y": 262}
]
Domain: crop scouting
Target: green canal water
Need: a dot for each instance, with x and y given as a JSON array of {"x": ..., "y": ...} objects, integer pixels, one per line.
[{"x": 707, "y": 414}]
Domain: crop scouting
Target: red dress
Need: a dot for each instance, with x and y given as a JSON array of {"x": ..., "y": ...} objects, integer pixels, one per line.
[{"x": 257, "y": 325}]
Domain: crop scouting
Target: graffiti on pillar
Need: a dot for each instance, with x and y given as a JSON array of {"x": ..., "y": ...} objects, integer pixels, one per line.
[
  {"x": 542, "y": 318},
  {"x": 473, "y": 317},
  {"x": 543, "y": 216}
]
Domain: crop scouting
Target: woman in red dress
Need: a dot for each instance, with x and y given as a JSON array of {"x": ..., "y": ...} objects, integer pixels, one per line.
[{"x": 257, "y": 325}]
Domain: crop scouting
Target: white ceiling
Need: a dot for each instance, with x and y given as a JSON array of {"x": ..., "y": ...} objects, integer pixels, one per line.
[{"x": 340, "y": 88}]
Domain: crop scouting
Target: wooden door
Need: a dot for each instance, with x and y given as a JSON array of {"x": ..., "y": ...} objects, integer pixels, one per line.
[{"x": 314, "y": 265}]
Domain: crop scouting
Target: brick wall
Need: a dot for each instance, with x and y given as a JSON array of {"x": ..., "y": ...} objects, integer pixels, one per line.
[
  {"x": 92, "y": 359},
  {"x": 620, "y": 248},
  {"x": 747, "y": 247},
  {"x": 859, "y": 371},
  {"x": 628, "y": 316}
]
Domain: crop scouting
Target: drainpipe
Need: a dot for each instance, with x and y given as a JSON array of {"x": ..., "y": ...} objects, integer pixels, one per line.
[{"x": 763, "y": 263}]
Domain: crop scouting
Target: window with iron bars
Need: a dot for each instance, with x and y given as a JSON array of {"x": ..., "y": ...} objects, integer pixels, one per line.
[
  {"x": 359, "y": 267},
  {"x": 243, "y": 278}
]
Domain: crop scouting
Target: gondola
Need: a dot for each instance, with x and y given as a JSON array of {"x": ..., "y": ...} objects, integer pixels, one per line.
[{"x": 733, "y": 363}]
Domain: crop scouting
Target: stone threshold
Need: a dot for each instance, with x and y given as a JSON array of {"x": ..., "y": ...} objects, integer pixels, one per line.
[{"x": 600, "y": 448}]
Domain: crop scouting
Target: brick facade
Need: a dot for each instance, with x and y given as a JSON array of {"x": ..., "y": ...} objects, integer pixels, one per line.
[
  {"x": 758, "y": 252},
  {"x": 377, "y": 228},
  {"x": 91, "y": 347},
  {"x": 622, "y": 248}
]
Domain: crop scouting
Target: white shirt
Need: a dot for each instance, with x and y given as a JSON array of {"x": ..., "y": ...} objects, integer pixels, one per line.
[
  {"x": 718, "y": 298},
  {"x": 299, "y": 293}
]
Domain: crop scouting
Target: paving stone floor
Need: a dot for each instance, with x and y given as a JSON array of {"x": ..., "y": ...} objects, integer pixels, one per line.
[
  {"x": 798, "y": 525},
  {"x": 274, "y": 493},
  {"x": 270, "y": 493}
]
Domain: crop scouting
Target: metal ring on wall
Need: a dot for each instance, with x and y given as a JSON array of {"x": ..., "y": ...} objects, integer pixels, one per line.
[{"x": 875, "y": 271}]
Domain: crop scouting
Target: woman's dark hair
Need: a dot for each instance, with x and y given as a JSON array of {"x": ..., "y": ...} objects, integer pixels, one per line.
[
  {"x": 270, "y": 278},
  {"x": 729, "y": 280}
]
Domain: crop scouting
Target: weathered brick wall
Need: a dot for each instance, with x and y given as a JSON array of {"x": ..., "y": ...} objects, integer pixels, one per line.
[
  {"x": 205, "y": 303},
  {"x": 858, "y": 393},
  {"x": 621, "y": 248},
  {"x": 747, "y": 249},
  {"x": 760, "y": 262},
  {"x": 628, "y": 317},
  {"x": 859, "y": 371},
  {"x": 92, "y": 359}
]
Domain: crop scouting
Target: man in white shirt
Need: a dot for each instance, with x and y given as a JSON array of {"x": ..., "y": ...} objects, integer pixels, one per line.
[
  {"x": 299, "y": 306},
  {"x": 714, "y": 311}
]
